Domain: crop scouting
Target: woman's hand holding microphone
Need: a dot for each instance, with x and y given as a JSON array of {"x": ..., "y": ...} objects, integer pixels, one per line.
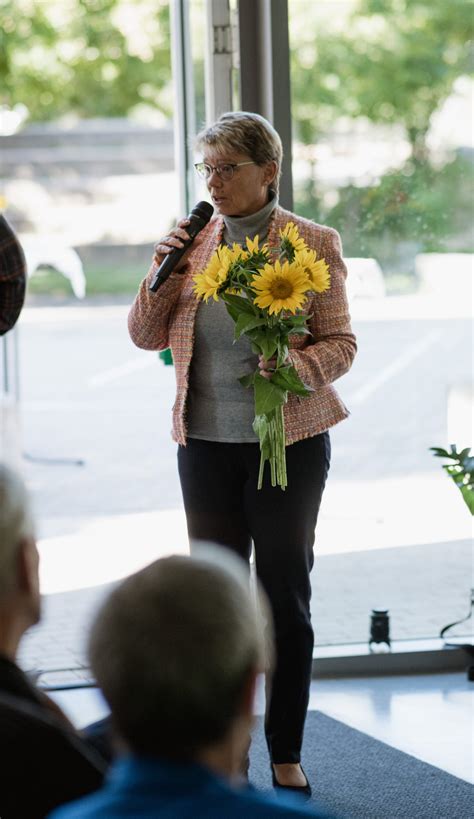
[
  {"x": 174, "y": 240},
  {"x": 171, "y": 252}
]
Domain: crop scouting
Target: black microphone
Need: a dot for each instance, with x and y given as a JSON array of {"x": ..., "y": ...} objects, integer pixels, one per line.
[{"x": 198, "y": 218}]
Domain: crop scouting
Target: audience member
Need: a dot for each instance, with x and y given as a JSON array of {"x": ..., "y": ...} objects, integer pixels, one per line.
[
  {"x": 177, "y": 649},
  {"x": 12, "y": 277},
  {"x": 45, "y": 762}
]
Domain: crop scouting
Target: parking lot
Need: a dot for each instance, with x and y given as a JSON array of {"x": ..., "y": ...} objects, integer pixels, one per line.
[{"x": 86, "y": 393}]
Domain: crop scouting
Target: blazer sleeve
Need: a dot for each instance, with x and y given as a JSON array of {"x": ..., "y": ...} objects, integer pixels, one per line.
[
  {"x": 332, "y": 345},
  {"x": 150, "y": 314}
]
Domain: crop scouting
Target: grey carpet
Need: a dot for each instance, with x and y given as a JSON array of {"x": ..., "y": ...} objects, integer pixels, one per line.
[{"x": 358, "y": 777}]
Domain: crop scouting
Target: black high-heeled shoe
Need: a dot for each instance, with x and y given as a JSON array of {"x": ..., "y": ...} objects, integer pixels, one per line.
[{"x": 304, "y": 791}]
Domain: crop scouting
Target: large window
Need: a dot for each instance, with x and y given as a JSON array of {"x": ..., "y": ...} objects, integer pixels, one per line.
[
  {"x": 376, "y": 88},
  {"x": 88, "y": 180}
]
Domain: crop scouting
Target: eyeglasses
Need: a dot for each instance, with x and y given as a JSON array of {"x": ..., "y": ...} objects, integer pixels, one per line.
[{"x": 224, "y": 172}]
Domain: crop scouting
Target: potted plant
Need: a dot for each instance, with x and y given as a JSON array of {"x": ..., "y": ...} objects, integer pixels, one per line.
[{"x": 461, "y": 470}]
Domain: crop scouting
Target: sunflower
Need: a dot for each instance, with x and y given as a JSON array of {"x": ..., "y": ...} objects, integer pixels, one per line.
[
  {"x": 207, "y": 283},
  {"x": 291, "y": 239},
  {"x": 281, "y": 287},
  {"x": 237, "y": 252},
  {"x": 252, "y": 244},
  {"x": 316, "y": 270}
]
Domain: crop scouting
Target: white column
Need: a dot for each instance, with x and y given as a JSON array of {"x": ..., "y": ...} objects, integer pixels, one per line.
[
  {"x": 183, "y": 120},
  {"x": 219, "y": 59}
]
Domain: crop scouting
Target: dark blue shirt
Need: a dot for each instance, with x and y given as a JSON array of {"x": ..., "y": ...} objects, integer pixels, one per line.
[{"x": 147, "y": 788}]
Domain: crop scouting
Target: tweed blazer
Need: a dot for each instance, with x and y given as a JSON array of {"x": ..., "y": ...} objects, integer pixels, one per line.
[{"x": 166, "y": 319}]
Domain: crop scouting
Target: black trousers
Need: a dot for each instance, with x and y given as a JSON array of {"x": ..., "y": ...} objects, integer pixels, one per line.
[{"x": 223, "y": 505}]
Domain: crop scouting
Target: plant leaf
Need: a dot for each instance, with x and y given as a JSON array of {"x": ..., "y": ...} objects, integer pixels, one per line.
[
  {"x": 468, "y": 495},
  {"x": 239, "y": 304},
  {"x": 288, "y": 379},
  {"x": 268, "y": 341},
  {"x": 298, "y": 320},
  {"x": 464, "y": 454},
  {"x": 268, "y": 396},
  {"x": 233, "y": 313},
  {"x": 247, "y": 380},
  {"x": 299, "y": 331},
  {"x": 282, "y": 353},
  {"x": 261, "y": 428},
  {"x": 246, "y": 322}
]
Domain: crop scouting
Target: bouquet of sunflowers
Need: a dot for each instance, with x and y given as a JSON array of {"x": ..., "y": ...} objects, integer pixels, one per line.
[{"x": 264, "y": 290}]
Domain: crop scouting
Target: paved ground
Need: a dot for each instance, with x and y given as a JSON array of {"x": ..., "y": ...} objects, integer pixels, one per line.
[
  {"x": 392, "y": 526},
  {"x": 424, "y": 587}
]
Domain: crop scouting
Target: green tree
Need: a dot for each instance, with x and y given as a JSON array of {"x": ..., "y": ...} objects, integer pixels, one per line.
[
  {"x": 394, "y": 61},
  {"x": 84, "y": 56}
]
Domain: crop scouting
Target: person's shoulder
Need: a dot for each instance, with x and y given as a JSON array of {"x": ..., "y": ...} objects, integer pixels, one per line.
[
  {"x": 214, "y": 225},
  {"x": 304, "y": 225},
  {"x": 258, "y": 805},
  {"x": 87, "y": 808}
]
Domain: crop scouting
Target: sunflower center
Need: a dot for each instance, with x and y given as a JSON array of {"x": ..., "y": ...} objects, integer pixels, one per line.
[{"x": 281, "y": 288}]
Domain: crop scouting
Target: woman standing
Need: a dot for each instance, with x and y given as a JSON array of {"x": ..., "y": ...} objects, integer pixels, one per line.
[{"x": 218, "y": 452}]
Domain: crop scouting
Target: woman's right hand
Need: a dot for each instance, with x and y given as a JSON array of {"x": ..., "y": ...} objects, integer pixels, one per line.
[{"x": 174, "y": 239}]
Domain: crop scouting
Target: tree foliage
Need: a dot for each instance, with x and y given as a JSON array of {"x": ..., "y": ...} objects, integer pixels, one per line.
[
  {"x": 88, "y": 57},
  {"x": 394, "y": 61},
  {"x": 416, "y": 203}
]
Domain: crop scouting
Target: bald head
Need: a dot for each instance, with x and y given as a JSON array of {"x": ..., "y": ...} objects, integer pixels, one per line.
[{"x": 184, "y": 635}]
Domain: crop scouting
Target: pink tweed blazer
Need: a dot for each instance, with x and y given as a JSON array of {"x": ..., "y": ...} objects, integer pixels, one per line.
[{"x": 166, "y": 319}]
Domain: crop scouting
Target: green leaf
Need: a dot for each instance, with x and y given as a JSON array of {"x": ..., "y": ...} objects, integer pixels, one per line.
[
  {"x": 282, "y": 353},
  {"x": 299, "y": 331},
  {"x": 247, "y": 380},
  {"x": 268, "y": 396},
  {"x": 439, "y": 453},
  {"x": 468, "y": 495},
  {"x": 269, "y": 342},
  {"x": 239, "y": 304},
  {"x": 288, "y": 379},
  {"x": 245, "y": 323},
  {"x": 233, "y": 313},
  {"x": 298, "y": 320},
  {"x": 261, "y": 427}
]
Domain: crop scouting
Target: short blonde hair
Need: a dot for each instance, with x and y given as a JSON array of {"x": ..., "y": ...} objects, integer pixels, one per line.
[
  {"x": 16, "y": 524},
  {"x": 246, "y": 133}
]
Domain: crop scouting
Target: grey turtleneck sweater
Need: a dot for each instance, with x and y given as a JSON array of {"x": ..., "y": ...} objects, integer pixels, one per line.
[{"x": 218, "y": 407}]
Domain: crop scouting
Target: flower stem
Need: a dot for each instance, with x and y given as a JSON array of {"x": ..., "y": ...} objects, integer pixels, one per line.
[{"x": 277, "y": 456}]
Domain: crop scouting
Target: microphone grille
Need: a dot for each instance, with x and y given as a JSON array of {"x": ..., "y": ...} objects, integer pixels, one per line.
[{"x": 204, "y": 210}]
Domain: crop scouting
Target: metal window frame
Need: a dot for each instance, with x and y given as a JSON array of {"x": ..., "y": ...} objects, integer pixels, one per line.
[
  {"x": 261, "y": 53},
  {"x": 184, "y": 120},
  {"x": 219, "y": 58},
  {"x": 264, "y": 60}
]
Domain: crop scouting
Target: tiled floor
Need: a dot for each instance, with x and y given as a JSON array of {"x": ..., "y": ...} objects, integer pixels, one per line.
[{"x": 427, "y": 716}]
